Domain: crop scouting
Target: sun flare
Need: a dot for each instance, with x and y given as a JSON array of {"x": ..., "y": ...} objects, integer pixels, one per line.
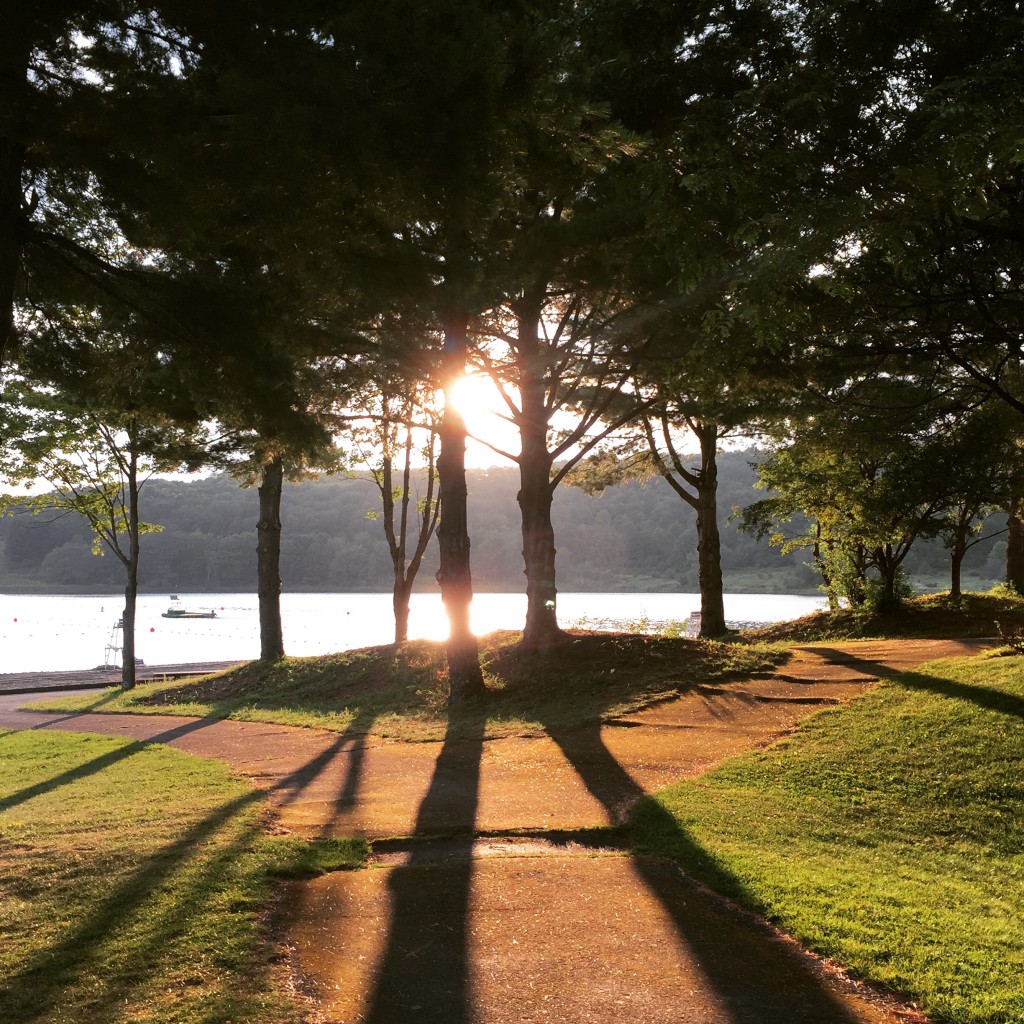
[{"x": 477, "y": 398}]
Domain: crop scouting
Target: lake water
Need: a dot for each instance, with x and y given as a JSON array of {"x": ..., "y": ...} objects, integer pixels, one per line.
[{"x": 44, "y": 632}]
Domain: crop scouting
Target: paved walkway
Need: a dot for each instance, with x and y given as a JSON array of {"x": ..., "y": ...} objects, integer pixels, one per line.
[
  {"x": 102, "y": 676},
  {"x": 484, "y": 909}
]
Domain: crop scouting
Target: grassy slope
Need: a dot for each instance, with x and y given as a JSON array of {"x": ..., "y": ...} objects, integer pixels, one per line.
[
  {"x": 403, "y": 693},
  {"x": 888, "y": 834},
  {"x": 931, "y": 615},
  {"x": 121, "y": 901}
]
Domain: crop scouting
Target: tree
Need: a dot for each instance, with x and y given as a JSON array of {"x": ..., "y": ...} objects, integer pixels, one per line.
[
  {"x": 735, "y": 172},
  {"x": 928, "y": 263},
  {"x": 868, "y": 488},
  {"x": 402, "y": 429},
  {"x": 977, "y": 454},
  {"x": 97, "y": 466},
  {"x": 563, "y": 369},
  {"x": 82, "y": 83}
]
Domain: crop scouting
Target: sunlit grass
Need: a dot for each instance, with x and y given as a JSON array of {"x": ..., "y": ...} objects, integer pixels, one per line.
[
  {"x": 402, "y": 692},
  {"x": 887, "y": 834},
  {"x": 928, "y": 616},
  {"x": 136, "y": 885}
]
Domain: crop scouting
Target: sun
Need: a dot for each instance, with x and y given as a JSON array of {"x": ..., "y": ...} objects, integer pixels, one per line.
[
  {"x": 476, "y": 397},
  {"x": 482, "y": 407}
]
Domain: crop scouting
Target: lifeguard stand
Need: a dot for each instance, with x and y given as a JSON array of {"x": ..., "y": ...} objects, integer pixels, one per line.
[{"x": 112, "y": 652}]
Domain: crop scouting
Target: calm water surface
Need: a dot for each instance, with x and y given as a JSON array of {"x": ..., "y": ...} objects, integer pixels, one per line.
[{"x": 40, "y": 632}]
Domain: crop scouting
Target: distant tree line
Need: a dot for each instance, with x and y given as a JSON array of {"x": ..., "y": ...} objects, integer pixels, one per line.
[{"x": 635, "y": 537}]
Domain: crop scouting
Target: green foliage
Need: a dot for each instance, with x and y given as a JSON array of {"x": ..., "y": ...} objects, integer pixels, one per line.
[
  {"x": 931, "y": 286},
  {"x": 886, "y": 835},
  {"x": 873, "y": 470},
  {"x": 877, "y": 598}
]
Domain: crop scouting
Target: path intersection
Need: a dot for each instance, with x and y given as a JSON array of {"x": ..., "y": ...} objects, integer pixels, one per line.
[{"x": 487, "y": 902}]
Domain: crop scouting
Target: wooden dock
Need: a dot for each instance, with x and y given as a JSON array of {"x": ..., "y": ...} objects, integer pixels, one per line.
[{"x": 103, "y": 676}]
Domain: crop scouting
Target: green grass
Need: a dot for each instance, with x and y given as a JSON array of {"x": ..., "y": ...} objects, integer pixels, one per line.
[
  {"x": 122, "y": 900},
  {"x": 403, "y": 692},
  {"x": 929, "y": 616},
  {"x": 887, "y": 834}
]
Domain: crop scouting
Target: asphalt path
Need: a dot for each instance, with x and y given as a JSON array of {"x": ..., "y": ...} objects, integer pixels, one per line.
[{"x": 490, "y": 903}]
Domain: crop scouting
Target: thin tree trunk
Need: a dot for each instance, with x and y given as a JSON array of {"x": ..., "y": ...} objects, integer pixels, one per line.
[
  {"x": 397, "y": 540},
  {"x": 268, "y": 561},
  {"x": 464, "y": 674},
  {"x": 405, "y": 568},
  {"x": 400, "y": 604},
  {"x": 703, "y": 499},
  {"x": 854, "y": 575},
  {"x": 535, "y": 500},
  {"x": 131, "y": 589},
  {"x": 1015, "y": 544},
  {"x": 709, "y": 546}
]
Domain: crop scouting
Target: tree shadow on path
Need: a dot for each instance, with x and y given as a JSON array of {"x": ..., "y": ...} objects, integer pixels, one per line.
[
  {"x": 424, "y": 972},
  {"x": 753, "y": 974},
  {"x": 347, "y": 752}
]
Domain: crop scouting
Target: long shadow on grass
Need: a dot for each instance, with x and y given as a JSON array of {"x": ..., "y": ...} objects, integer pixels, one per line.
[
  {"x": 38, "y": 987},
  {"x": 758, "y": 980},
  {"x": 97, "y": 764},
  {"x": 424, "y": 972},
  {"x": 983, "y": 696},
  {"x": 352, "y": 743}
]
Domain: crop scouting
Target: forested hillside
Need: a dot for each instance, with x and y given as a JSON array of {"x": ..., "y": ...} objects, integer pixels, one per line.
[{"x": 632, "y": 538}]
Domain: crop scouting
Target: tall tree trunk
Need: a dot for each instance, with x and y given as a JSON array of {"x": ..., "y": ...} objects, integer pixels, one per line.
[
  {"x": 956, "y": 558},
  {"x": 131, "y": 589},
  {"x": 15, "y": 51},
  {"x": 1015, "y": 544},
  {"x": 268, "y": 561},
  {"x": 535, "y": 494},
  {"x": 464, "y": 674},
  {"x": 709, "y": 547}
]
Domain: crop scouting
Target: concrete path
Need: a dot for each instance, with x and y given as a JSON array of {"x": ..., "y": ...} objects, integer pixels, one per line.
[
  {"x": 488, "y": 911},
  {"x": 102, "y": 676}
]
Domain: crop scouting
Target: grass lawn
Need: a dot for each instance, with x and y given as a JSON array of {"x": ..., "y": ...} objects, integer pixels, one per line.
[
  {"x": 122, "y": 901},
  {"x": 927, "y": 616},
  {"x": 887, "y": 834},
  {"x": 402, "y": 692}
]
